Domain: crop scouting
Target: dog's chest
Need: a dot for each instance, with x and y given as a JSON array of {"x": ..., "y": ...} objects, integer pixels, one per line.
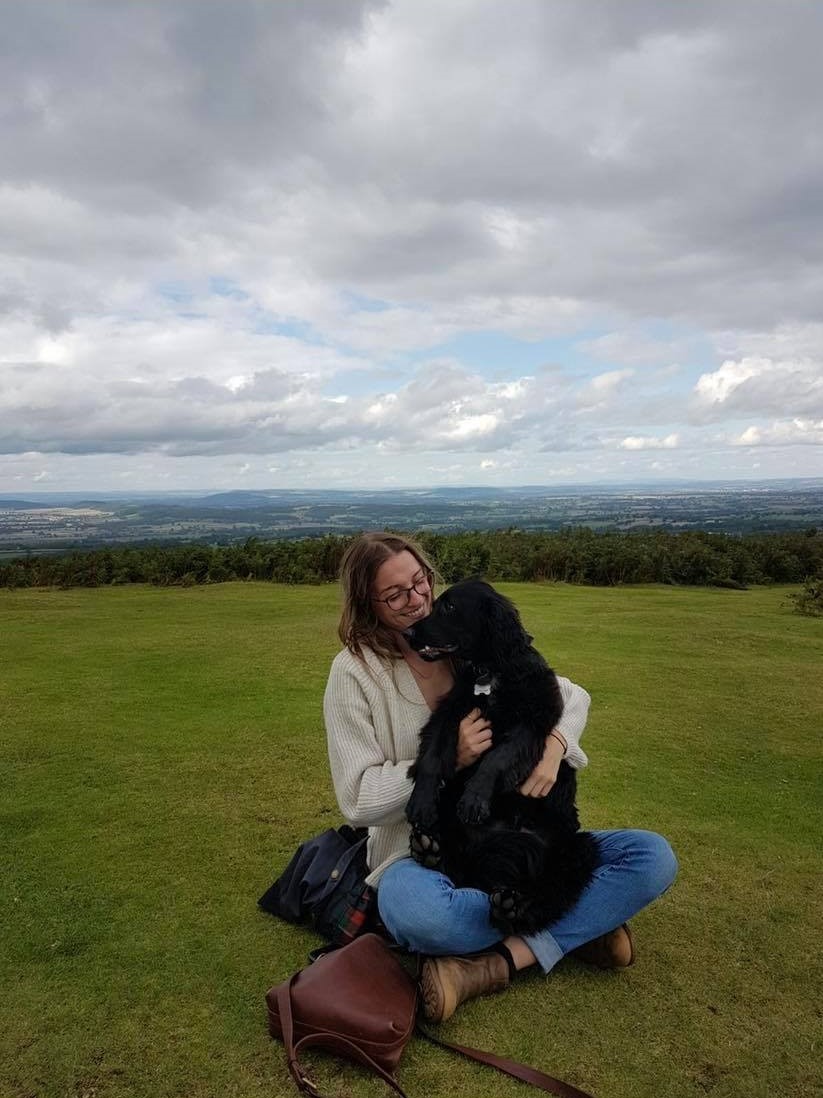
[
  {"x": 490, "y": 696},
  {"x": 530, "y": 699}
]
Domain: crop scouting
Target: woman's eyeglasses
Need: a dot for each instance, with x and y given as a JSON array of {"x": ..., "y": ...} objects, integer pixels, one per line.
[{"x": 397, "y": 600}]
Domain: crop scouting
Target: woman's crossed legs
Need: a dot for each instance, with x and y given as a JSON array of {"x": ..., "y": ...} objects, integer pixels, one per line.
[{"x": 425, "y": 913}]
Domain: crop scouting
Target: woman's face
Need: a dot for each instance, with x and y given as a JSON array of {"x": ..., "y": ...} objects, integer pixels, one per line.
[{"x": 396, "y": 576}]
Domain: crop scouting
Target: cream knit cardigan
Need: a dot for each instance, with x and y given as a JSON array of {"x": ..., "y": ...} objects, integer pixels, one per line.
[{"x": 374, "y": 712}]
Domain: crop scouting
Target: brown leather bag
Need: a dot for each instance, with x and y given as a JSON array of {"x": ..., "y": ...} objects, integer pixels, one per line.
[
  {"x": 357, "y": 1002},
  {"x": 360, "y": 1003}
]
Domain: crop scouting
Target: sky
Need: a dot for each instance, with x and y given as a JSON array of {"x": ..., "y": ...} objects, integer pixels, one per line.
[{"x": 353, "y": 243}]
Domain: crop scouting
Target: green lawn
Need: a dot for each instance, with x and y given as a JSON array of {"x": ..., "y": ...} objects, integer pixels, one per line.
[{"x": 163, "y": 753}]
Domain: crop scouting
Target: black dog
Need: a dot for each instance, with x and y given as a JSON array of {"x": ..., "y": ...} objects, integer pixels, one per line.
[{"x": 526, "y": 852}]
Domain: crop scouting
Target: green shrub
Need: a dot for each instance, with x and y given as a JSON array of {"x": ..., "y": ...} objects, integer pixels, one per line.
[{"x": 809, "y": 600}]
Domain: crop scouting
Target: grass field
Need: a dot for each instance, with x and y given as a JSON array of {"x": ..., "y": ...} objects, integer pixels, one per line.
[{"x": 163, "y": 753}]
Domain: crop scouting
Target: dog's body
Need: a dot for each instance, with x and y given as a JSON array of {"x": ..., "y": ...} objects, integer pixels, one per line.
[{"x": 526, "y": 852}]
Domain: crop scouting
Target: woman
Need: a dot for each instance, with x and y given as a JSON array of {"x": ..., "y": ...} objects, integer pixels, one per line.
[{"x": 379, "y": 695}]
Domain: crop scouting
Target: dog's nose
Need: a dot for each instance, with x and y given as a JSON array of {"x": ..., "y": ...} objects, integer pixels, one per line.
[{"x": 409, "y": 633}]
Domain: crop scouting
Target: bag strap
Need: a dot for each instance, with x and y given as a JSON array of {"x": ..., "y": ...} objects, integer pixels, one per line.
[
  {"x": 303, "y": 1081},
  {"x": 510, "y": 1067},
  {"x": 305, "y": 1084}
]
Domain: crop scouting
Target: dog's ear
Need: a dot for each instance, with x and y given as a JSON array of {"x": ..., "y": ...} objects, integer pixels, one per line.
[{"x": 507, "y": 632}]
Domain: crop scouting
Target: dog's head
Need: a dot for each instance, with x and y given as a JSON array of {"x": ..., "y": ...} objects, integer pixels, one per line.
[{"x": 473, "y": 622}]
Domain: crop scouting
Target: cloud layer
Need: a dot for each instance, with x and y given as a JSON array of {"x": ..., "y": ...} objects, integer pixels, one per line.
[{"x": 409, "y": 241}]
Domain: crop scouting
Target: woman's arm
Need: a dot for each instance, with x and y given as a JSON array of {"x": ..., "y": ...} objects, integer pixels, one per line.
[
  {"x": 371, "y": 789},
  {"x": 562, "y": 741},
  {"x": 576, "y": 702}
]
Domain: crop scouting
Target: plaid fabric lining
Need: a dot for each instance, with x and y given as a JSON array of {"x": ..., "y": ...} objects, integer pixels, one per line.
[{"x": 358, "y": 915}]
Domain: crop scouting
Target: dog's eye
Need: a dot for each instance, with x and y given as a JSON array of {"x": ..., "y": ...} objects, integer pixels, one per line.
[{"x": 448, "y": 608}]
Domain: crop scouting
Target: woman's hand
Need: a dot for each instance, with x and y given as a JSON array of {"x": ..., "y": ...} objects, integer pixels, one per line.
[
  {"x": 473, "y": 738},
  {"x": 541, "y": 780}
]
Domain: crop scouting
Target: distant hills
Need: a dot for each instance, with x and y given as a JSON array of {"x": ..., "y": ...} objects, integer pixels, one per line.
[
  {"x": 241, "y": 497},
  {"x": 47, "y": 521}
]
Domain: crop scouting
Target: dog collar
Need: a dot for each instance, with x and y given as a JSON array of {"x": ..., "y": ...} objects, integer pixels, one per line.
[{"x": 483, "y": 684}]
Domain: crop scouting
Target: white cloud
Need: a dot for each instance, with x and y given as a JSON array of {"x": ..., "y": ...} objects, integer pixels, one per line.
[
  {"x": 639, "y": 442},
  {"x": 783, "y": 433},
  {"x": 784, "y": 342},
  {"x": 244, "y": 229},
  {"x": 761, "y": 385},
  {"x": 608, "y": 382},
  {"x": 603, "y": 390},
  {"x": 473, "y": 426},
  {"x": 636, "y": 348},
  {"x": 716, "y": 387}
]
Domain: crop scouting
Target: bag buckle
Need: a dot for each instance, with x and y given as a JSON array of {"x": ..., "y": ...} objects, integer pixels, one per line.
[{"x": 306, "y": 1084}]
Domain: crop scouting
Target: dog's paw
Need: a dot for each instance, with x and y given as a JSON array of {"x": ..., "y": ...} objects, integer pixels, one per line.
[
  {"x": 511, "y": 910},
  {"x": 421, "y": 811},
  {"x": 425, "y": 849},
  {"x": 424, "y": 818},
  {"x": 473, "y": 808}
]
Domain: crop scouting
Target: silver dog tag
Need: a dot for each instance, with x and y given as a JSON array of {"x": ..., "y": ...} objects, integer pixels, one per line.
[{"x": 482, "y": 688}]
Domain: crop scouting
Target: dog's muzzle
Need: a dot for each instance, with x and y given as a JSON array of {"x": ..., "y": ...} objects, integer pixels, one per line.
[{"x": 429, "y": 652}]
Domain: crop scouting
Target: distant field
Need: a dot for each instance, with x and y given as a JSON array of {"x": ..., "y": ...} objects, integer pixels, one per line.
[
  {"x": 162, "y": 753},
  {"x": 63, "y": 521}
]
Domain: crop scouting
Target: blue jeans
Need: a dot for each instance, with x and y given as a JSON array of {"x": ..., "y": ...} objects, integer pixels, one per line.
[{"x": 425, "y": 913}]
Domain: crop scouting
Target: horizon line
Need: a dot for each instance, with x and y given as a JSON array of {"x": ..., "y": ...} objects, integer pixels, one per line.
[{"x": 419, "y": 488}]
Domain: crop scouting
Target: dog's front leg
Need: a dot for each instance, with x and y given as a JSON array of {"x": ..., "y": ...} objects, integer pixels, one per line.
[
  {"x": 492, "y": 772},
  {"x": 435, "y": 765}
]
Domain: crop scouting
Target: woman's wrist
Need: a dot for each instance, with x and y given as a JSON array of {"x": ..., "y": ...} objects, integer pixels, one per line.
[{"x": 554, "y": 734}]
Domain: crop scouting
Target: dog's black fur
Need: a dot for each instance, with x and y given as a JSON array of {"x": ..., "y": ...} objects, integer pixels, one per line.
[{"x": 526, "y": 852}]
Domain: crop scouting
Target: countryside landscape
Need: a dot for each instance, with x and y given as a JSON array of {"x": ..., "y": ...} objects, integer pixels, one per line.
[
  {"x": 163, "y": 754},
  {"x": 536, "y": 283},
  {"x": 55, "y": 522}
]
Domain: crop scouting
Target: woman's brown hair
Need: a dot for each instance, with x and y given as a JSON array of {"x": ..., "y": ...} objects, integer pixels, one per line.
[{"x": 359, "y": 624}]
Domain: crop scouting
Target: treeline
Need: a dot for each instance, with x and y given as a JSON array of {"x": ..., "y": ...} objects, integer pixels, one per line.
[{"x": 573, "y": 556}]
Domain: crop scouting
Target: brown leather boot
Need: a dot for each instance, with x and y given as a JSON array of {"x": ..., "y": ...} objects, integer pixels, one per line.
[
  {"x": 612, "y": 950},
  {"x": 446, "y": 982}
]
